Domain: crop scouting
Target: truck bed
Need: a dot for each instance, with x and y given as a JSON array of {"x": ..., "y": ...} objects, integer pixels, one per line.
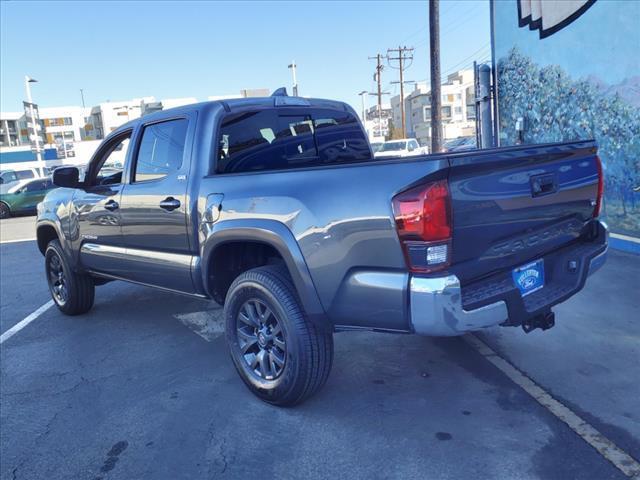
[{"x": 343, "y": 221}]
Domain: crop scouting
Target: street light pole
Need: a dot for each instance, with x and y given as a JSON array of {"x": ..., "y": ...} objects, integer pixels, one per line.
[
  {"x": 362, "y": 94},
  {"x": 27, "y": 81},
  {"x": 292, "y": 66}
]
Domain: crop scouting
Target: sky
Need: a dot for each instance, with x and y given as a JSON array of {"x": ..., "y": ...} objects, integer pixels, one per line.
[{"x": 122, "y": 50}]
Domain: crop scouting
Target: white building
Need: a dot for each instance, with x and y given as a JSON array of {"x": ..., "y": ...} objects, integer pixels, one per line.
[
  {"x": 107, "y": 116},
  {"x": 77, "y": 123},
  {"x": 10, "y": 129},
  {"x": 377, "y": 123},
  {"x": 458, "y": 113},
  {"x": 64, "y": 122}
]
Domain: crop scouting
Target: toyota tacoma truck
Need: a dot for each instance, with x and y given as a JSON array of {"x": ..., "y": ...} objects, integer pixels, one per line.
[{"x": 276, "y": 208}]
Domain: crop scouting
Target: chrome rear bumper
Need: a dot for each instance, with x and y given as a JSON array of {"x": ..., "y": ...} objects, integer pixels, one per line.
[
  {"x": 436, "y": 302},
  {"x": 436, "y": 308}
]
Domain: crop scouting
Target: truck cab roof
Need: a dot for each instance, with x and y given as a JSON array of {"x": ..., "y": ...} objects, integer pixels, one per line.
[{"x": 236, "y": 105}]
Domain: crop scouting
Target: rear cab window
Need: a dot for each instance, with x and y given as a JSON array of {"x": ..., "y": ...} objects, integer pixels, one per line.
[{"x": 280, "y": 139}]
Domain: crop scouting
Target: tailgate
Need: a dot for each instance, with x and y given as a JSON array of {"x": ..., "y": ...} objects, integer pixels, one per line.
[{"x": 513, "y": 204}]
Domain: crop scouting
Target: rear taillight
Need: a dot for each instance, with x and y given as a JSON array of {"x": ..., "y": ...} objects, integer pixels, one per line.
[
  {"x": 423, "y": 221},
  {"x": 596, "y": 210}
]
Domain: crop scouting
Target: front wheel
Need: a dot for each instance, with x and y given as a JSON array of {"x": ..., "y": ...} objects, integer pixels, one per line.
[
  {"x": 280, "y": 355},
  {"x": 72, "y": 292},
  {"x": 5, "y": 212}
]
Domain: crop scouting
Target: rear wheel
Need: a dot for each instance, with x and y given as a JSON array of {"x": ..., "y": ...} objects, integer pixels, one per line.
[
  {"x": 72, "y": 292},
  {"x": 5, "y": 212},
  {"x": 280, "y": 355}
]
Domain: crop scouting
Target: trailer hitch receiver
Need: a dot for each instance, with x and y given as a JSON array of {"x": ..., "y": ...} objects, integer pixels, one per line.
[{"x": 543, "y": 321}]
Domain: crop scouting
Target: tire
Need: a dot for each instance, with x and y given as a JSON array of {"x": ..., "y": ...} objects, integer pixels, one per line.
[
  {"x": 5, "y": 211},
  {"x": 72, "y": 292},
  {"x": 298, "y": 354}
]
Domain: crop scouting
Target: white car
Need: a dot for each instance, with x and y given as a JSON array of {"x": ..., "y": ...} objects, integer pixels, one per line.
[
  {"x": 406, "y": 147},
  {"x": 11, "y": 176}
]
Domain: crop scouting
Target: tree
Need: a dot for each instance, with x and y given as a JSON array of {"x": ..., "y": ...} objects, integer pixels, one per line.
[{"x": 394, "y": 132}]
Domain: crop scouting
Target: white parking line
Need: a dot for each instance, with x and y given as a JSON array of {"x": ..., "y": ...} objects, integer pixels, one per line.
[
  {"x": 23, "y": 323},
  {"x": 209, "y": 324},
  {"x": 605, "y": 447},
  {"x": 625, "y": 237},
  {"x": 18, "y": 240}
]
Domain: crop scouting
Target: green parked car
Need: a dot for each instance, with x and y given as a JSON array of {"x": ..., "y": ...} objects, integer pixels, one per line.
[{"x": 24, "y": 196}]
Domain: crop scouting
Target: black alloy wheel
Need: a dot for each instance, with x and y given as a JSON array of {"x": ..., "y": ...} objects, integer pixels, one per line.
[
  {"x": 72, "y": 291},
  {"x": 281, "y": 355},
  {"x": 57, "y": 279},
  {"x": 261, "y": 339}
]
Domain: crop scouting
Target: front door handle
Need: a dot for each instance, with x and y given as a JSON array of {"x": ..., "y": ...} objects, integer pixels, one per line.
[
  {"x": 111, "y": 205},
  {"x": 169, "y": 204}
]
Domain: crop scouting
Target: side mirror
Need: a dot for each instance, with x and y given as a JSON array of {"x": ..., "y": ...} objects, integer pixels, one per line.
[{"x": 66, "y": 177}]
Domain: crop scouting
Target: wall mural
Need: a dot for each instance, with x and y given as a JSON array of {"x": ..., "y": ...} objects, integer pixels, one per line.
[{"x": 579, "y": 78}]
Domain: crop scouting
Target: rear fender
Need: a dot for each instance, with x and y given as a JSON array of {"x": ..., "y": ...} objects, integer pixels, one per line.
[{"x": 276, "y": 235}]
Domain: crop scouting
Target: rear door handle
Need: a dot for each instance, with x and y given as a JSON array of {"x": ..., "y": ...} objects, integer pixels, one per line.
[
  {"x": 169, "y": 204},
  {"x": 111, "y": 205}
]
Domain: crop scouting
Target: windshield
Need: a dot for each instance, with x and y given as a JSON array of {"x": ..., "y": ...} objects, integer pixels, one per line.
[
  {"x": 376, "y": 146},
  {"x": 393, "y": 146}
]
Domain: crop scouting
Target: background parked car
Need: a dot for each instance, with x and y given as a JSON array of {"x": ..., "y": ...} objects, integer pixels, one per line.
[
  {"x": 24, "y": 196},
  {"x": 405, "y": 147},
  {"x": 376, "y": 146},
  {"x": 460, "y": 144},
  {"x": 10, "y": 176}
]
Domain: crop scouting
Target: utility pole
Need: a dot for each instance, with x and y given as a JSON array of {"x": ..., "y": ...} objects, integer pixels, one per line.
[
  {"x": 27, "y": 81},
  {"x": 436, "y": 97},
  {"x": 82, "y": 97},
  {"x": 378, "y": 77},
  {"x": 293, "y": 66},
  {"x": 404, "y": 54}
]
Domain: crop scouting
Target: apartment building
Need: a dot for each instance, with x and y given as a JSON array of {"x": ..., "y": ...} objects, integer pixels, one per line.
[
  {"x": 107, "y": 116},
  {"x": 10, "y": 129},
  {"x": 54, "y": 124},
  {"x": 60, "y": 125},
  {"x": 458, "y": 111},
  {"x": 64, "y": 123}
]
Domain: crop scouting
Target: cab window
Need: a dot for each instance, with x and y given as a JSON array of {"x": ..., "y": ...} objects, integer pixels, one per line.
[
  {"x": 161, "y": 150},
  {"x": 274, "y": 140}
]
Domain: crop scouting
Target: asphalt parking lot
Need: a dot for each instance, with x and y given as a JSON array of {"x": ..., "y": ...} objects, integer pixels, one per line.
[{"x": 142, "y": 387}]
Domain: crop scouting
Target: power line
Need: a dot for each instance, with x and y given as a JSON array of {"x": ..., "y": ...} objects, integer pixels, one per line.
[
  {"x": 471, "y": 14},
  {"x": 477, "y": 52},
  {"x": 457, "y": 66},
  {"x": 447, "y": 9}
]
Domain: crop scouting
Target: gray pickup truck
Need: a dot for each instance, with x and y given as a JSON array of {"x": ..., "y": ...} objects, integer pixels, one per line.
[{"x": 276, "y": 208}]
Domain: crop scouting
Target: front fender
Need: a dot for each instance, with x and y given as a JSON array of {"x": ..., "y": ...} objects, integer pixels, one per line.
[
  {"x": 53, "y": 213},
  {"x": 276, "y": 235}
]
